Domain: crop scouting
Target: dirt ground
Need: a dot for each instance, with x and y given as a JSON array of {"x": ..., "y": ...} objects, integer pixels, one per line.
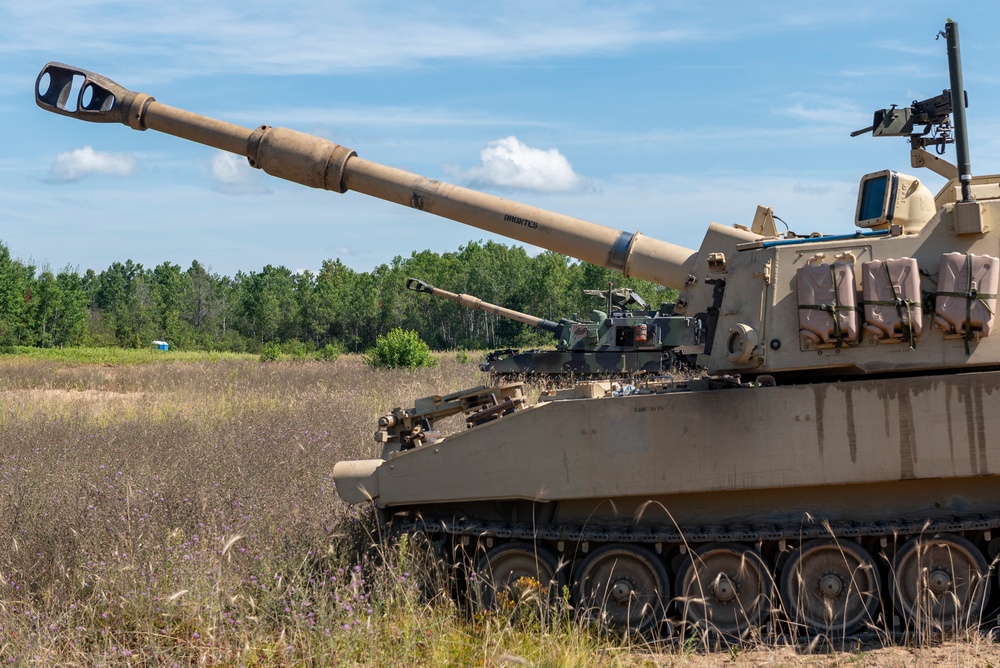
[{"x": 976, "y": 653}]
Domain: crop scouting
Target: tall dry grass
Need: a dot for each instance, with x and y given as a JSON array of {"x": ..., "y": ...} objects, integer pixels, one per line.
[{"x": 185, "y": 514}]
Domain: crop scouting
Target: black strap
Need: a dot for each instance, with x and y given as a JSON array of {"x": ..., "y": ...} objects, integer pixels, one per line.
[
  {"x": 833, "y": 309},
  {"x": 899, "y": 303},
  {"x": 971, "y": 296}
]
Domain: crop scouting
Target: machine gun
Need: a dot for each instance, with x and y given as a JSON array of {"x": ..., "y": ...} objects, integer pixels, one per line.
[
  {"x": 929, "y": 122},
  {"x": 934, "y": 114},
  {"x": 619, "y": 298}
]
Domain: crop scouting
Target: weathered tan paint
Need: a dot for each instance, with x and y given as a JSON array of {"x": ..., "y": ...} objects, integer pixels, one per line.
[
  {"x": 760, "y": 292},
  {"x": 659, "y": 447}
]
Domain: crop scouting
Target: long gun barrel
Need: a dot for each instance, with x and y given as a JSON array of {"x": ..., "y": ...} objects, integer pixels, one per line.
[
  {"x": 319, "y": 163},
  {"x": 469, "y": 301}
]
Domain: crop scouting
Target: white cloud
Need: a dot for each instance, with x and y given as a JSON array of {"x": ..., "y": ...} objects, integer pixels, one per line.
[
  {"x": 892, "y": 71},
  {"x": 329, "y": 37},
  {"x": 927, "y": 48},
  {"x": 80, "y": 163},
  {"x": 825, "y": 110},
  {"x": 232, "y": 175},
  {"x": 375, "y": 116},
  {"x": 509, "y": 163}
]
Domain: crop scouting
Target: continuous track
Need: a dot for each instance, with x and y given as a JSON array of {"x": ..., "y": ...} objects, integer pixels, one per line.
[{"x": 945, "y": 566}]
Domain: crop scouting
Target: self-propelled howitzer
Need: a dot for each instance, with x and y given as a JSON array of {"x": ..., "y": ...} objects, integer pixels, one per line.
[
  {"x": 618, "y": 343},
  {"x": 843, "y": 437}
]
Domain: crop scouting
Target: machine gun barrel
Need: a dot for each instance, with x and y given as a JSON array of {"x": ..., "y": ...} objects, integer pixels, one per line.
[
  {"x": 469, "y": 301},
  {"x": 318, "y": 163}
]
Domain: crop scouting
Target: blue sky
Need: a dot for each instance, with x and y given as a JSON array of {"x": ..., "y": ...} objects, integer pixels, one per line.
[{"x": 652, "y": 116}]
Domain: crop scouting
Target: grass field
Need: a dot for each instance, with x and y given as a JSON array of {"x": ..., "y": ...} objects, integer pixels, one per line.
[
  {"x": 122, "y": 356},
  {"x": 183, "y": 513}
]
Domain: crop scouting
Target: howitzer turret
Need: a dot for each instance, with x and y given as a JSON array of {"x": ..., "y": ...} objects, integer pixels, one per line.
[
  {"x": 843, "y": 436},
  {"x": 616, "y": 343}
]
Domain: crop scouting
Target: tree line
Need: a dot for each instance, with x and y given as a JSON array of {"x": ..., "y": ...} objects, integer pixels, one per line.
[{"x": 128, "y": 305}]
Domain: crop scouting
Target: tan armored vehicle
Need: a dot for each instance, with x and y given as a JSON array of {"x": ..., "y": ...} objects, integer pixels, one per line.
[{"x": 834, "y": 470}]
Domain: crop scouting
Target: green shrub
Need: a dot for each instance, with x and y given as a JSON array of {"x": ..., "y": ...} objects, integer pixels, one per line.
[
  {"x": 271, "y": 352},
  {"x": 329, "y": 353},
  {"x": 296, "y": 350},
  {"x": 399, "y": 349},
  {"x": 462, "y": 357}
]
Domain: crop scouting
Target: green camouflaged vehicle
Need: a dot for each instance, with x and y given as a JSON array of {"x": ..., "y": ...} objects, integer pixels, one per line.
[{"x": 616, "y": 343}]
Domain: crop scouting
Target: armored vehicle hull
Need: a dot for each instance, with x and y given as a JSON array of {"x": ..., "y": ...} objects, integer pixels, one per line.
[{"x": 880, "y": 466}]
